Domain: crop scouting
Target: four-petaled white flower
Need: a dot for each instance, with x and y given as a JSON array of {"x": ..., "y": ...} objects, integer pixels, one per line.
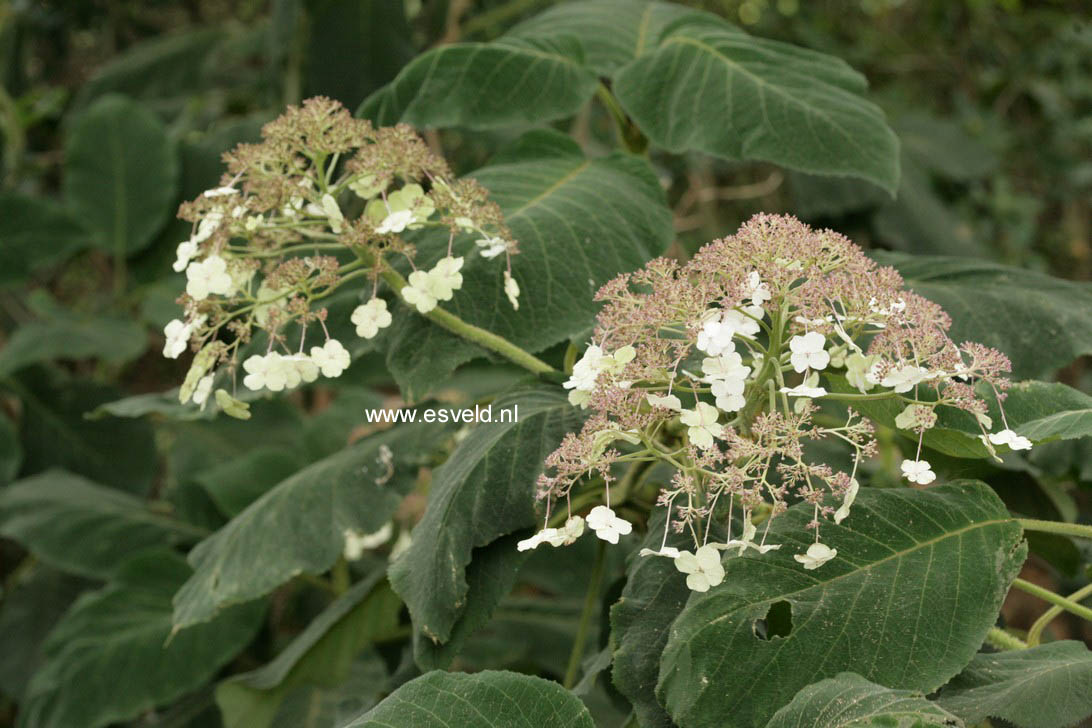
[
  {"x": 491, "y": 247},
  {"x": 594, "y": 362},
  {"x": 607, "y": 525},
  {"x": 743, "y": 322},
  {"x": 808, "y": 352},
  {"x": 759, "y": 291},
  {"x": 395, "y": 222},
  {"x": 511, "y": 289},
  {"x": 918, "y": 471},
  {"x": 702, "y": 568},
  {"x": 669, "y": 552},
  {"x": 715, "y": 337},
  {"x": 333, "y": 213},
  {"x": 817, "y": 555},
  {"x": 331, "y": 358},
  {"x": 668, "y": 401},
  {"x": 1010, "y": 438},
  {"x": 370, "y": 317},
  {"x": 847, "y": 500},
  {"x": 803, "y": 390},
  {"x": 184, "y": 253},
  {"x": 268, "y": 372},
  {"x": 446, "y": 277},
  {"x": 858, "y": 367},
  {"x": 178, "y": 338},
  {"x": 300, "y": 367},
  {"x": 420, "y": 291},
  {"x": 208, "y": 276},
  {"x": 904, "y": 378},
  {"x": 702, "y": 421},
  {"x": 563, "y": 536}
]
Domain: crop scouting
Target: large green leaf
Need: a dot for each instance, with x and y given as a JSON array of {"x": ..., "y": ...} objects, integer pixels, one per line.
[
  {"x": 351, "y": 489},
  {"x": 510, "y": 82},
  {"x": 1042, "y": 323},
  {"x": 918, "y": 581},
  {"x": 487, "y": 699},
  {"x": 83, "y": 528},
  {"x": 1044, "y": 687},
  {"x": 484, "y": 491},
  {"x": 121, "y": 173},
  {"x": 35, "y": 232},
  {"x": 611, "y": 32},
  {"x": 710, "y": 87},
  {"x": 579, "y": 223},
  {"x": 109, "y": 659},
  {"x": 314, "y": 706},
  {"x": 67, "y": 335},
  {"x": 849, "y": 701},
  {"x": 322, "y": 655}
]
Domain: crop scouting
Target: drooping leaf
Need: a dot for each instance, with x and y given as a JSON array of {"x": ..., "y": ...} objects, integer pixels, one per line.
[
  {"x": 932, "y": 566},
  {"x": 83, "y": 528},
  {"x": 121, "y": 173},
  {"x": 35, "y": 232},
  {"x": 611, "y": 32},
  {"x": 1040, "y": 322},
  {"x": 509, "y": 82},
  {"x": 579, "y": 222},
  {"x": 357, "y": 488},
  {"x": 487, "y": 699},
  {"x": 1042, "y": 687},
  {"x": 109, "y": 659},
  {"x": 321, "y": 656},
  {"x": 848, "y": 700},
  {"x": 710, "y": 87},
  {"x": 484, "y": 490}
]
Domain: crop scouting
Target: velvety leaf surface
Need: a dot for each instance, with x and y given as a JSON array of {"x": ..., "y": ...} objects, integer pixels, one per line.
[
  {"x": 35, "y": 232},
  {"x": 509, "y": 82},
  {"x": 251, "y": 555},
  {"x": 579, "y": 223},
  {"x": 321, "y": 655},
  {"x": 928, "y": 568},
  {"x": 483, "y": 491},
  {"x": 848, "y": 700},
  {"x": 487, "y": 699},
  {"x": 1043, "y": 687},
  {"x": 121, "y": 173},
  {"x": 1040, "y": 322},
  {"x": 109, "y": 658},
  {"x": 81, "y": 527},
  {"x": 710, "y": 87}
]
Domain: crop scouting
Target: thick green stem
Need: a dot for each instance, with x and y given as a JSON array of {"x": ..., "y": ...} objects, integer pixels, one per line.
[
  {"x": 1036, "y": 632},
  {"x": 591, "y": 601},
  {"x": 1056, "y": 599},
  {"x": 1078, "y": 530},
  {"x": 1002, "y": 640},
  {"x": 631, "y": 137}
]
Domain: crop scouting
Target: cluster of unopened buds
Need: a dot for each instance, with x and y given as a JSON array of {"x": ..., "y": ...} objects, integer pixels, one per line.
[
  {"x": 323, "y": 200},
  {"x": 727, "y": 367}
]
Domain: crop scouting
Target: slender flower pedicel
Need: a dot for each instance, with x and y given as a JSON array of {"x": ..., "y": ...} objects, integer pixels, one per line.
[{"x": 721, "y": 368}]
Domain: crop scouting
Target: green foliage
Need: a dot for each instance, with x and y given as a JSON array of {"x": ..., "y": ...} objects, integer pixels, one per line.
[
  {"x": 35, "y": 233},
  {"x": 488, "y": 699},
  {"x": 848, "y": 699}
]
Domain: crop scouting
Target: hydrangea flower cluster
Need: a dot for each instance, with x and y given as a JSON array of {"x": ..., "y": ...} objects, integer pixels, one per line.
[
  {"x": 721, "y": 367},
  {"x": 323, "y": 200}
]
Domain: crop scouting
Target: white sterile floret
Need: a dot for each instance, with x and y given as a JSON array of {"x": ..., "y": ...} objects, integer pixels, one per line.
[
  {"x": 202, "y": 391},
  {"x": 332, "y": 212},
  {"x": 178, "y": 338},
  {"x": 420, "y": 291},
  {"x": 447, "y": 278},
  {"x": 184, "y": 253},
  {"x": 904, "y": 378},
  {"x": 491, "y": 247},
  {"x": 726, "y": 366},
  {"x": 847, "y": 500},
  {"x": 1010, "y": 438},
  {"x": 747, "y": 540},
  {"x": 759, "y": 291},
  {"x": 395, "y": 222},
  {"x": 743, "y": 322},
  {"x": 208, "y": 225},
  {"x": 220, "y": 192},
  {"x": 536, "y": 540},
  {"x": 300, "y": 367},
  {"x": 808, "y": 352},
  {"x": 331, "y": 358},
  {"x": 669, "y": 552},
  {"x": 702, "y": 424},
  {"x": 357, "y": 543},
  {"x": 587, "y": 369},
  {"x": 370, "y": 317},
  {"x": 803, "y": 390},
  {"x": 511, "y": 289},
  {"x": 668, "y": 401},
  {"x": 817, "y": 555},
  {"x": 607, "y": 525},
  {"x": 715, "y": 337},
  {"x": 702, "y": 568},
  {"x": 857, "y": 370},
  {"x": 210, "y": 276},
  {"x": 567, "y": 534},
  {"x": 918, "y": 471},
  {"x": 268, "y": 372}
]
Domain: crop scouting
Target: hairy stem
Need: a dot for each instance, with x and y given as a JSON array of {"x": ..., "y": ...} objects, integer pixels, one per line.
[
  {"x": 1056, "y": 599},
  {"x": 1003, "y": 640},
  {"x": 591, "y": 600},
  {"x": 1036, "y": 631},
  {"x": 1064, "y": 529}
]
